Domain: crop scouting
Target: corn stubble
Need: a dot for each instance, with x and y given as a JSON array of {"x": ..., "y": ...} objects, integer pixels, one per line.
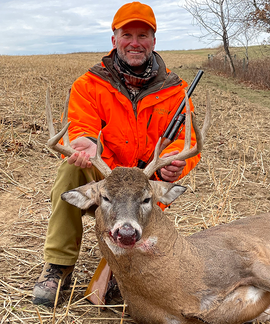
[{"x": 231, "y": 181}]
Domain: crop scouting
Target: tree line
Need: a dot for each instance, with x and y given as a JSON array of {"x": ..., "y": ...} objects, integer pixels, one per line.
[{"x": 233, "y": 22}]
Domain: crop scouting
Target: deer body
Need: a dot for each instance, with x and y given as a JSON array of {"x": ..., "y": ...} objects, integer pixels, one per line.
[{"x": 219, "y": 275}]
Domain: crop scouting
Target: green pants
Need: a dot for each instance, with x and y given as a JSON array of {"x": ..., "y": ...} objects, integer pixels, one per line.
[{"x": 64, "y": 235}]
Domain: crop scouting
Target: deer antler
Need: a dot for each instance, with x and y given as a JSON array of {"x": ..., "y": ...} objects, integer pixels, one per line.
[
  {"x": 66, "y": 149},
  {"x": 187, "y": 152}
]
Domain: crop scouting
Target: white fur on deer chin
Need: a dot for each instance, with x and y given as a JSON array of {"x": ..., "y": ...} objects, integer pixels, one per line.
[
  {"x": 116, "y": 250},
  {"x": 146, "y": 246}
]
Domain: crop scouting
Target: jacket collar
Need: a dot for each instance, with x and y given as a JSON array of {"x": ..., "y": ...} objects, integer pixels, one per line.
[{"x": 163, "y": 80}]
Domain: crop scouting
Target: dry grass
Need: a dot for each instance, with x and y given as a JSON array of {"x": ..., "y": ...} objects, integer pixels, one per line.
[
  {"x": 256, "y": 73},
  {"x": 231, "y": 181}
]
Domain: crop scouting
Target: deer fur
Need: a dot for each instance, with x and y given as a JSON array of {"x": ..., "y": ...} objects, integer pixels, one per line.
[{"x": 219, "y": 275}]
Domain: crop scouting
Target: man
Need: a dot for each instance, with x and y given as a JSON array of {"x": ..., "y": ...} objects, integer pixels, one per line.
[{"x": 132, "y": 97}]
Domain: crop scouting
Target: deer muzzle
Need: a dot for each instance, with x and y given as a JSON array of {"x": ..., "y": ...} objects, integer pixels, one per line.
[{"x": 125, "y": 236}]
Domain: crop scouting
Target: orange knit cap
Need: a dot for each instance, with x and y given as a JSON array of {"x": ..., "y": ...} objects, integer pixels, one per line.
[{"x": 134, "y": 11}]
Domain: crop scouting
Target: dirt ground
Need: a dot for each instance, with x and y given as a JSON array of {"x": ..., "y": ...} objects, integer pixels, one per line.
[{"x": 231, "y": 181}]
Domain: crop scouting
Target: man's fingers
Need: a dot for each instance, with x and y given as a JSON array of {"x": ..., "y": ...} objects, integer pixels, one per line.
[
  {"x": 175, "y": 166},
  {"x": 73, "y": 158},
  {"x": 171, "y": 168},
  {"x": 80, "y": 159},
  {"x": 173, "y": 171}
]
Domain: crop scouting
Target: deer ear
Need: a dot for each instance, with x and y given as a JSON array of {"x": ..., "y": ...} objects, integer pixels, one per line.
[
  {"x": 83, "y": 197},
  {"x": 167, "y": 192}
]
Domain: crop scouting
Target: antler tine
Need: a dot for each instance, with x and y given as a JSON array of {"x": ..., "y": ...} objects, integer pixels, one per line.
[
  {"x": 67, "y": 150},
  {"x": 187, "y": 152},
  {"x": 49, "y": 114},
  {"x": 65, "y": 120},
  {"x": 187, "y": 122},
  {"x": 97, "y": 160}
]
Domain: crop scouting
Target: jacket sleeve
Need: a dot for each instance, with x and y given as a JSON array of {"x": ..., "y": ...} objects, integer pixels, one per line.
[{"x": 82, "y": 110}]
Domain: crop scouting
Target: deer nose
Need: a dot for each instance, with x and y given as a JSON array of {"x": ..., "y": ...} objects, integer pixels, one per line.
[{"x": 126, "y": 235}]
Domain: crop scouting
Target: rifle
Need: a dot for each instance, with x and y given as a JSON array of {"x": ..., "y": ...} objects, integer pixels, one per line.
[
  {"x": 172, "y": 131},
  {"x": 103, "y": 273}
]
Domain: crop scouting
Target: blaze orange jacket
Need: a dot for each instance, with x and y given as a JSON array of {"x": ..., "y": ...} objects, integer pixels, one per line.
[{"x": 100, "y": 101}]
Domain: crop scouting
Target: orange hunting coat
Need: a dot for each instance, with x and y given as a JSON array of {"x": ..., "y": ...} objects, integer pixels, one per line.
[{"x": 130, "y": 131}]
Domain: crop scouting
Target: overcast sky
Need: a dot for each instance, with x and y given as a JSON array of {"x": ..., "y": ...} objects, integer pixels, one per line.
[{"x": 66, "y": 26}]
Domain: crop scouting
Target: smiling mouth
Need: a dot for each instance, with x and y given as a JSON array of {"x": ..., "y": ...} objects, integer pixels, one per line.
[{"x": 135, "y": 52}]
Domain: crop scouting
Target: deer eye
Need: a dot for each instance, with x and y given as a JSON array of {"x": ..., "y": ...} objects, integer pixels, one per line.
[
  {"x": 146, "y": 200},
  {"x": 105, "y": 198}
]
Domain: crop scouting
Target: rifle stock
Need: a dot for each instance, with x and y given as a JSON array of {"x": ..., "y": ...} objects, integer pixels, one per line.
[{"x": 97, "y": 287}]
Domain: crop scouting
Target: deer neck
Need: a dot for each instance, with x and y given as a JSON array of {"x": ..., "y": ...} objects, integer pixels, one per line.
[
  {"x": 161, "y": 231},
  {"x": 160, "y": 241},
  {"x": 146, "y": 270}
]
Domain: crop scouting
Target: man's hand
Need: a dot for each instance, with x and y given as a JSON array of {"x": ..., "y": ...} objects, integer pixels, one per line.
[
  {"x": 86, "y": 148},
  {"x": 173, "y": 171}
]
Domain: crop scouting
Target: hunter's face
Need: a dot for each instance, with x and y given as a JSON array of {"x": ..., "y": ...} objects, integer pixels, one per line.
[{"x": 134, "y": 42}]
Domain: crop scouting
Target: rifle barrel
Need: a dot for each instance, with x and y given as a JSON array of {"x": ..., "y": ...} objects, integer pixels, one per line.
[{"x": 183, "y": 103}]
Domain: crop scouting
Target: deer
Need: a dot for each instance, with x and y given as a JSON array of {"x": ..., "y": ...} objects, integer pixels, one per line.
[{"x": 218, "y": 275}]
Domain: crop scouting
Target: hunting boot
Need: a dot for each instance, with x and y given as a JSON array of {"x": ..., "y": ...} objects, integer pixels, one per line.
[{"x": 46, "y": 287}]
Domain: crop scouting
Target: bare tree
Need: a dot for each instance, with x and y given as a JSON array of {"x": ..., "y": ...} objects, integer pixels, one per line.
[
  {"x": 219, "y": 21},
  {"x": 247, "y": 34}
]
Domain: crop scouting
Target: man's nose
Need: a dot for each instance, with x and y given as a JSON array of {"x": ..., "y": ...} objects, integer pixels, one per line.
[{"x": 135, "y": 42}]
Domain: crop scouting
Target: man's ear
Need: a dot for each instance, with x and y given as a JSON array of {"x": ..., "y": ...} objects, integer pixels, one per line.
[
  {"x": 83, "y": 197},
  {"x": 114, "y": 41},
  {"x": 154, "y": 44},
  {"x": 167, "y": 192}
]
